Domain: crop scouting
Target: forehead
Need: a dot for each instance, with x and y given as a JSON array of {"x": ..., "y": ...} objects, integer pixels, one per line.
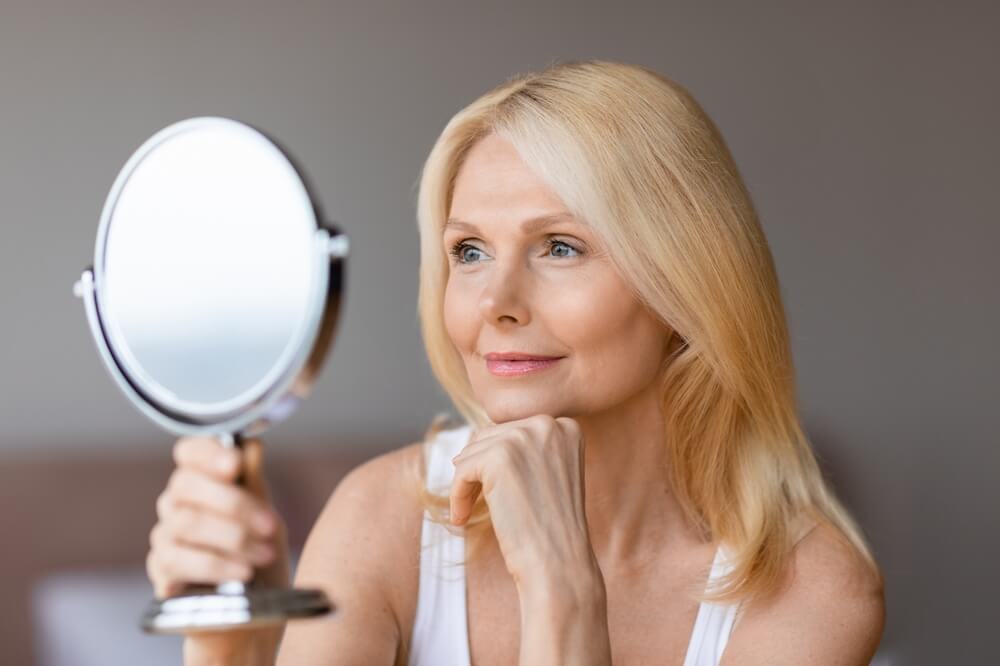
[{"x": 494, "y": 181}]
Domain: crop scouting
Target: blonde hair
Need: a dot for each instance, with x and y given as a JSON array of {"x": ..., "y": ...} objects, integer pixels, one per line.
[{"x": 632, "y": 154}]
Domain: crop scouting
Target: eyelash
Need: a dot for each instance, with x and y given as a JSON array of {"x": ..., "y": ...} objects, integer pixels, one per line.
[{"x": 458, "y": 248}]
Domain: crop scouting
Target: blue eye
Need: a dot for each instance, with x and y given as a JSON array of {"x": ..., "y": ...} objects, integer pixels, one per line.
[
  {"x": 554, "y": 244},
  {"x": 557, "y": 248},
  {"x": 458, "y": 250}
]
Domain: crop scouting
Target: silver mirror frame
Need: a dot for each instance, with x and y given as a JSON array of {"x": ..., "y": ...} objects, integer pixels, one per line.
[{"x": 291, "y": 383}]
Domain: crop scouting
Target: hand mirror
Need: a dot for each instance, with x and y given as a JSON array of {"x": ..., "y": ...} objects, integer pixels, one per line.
[{"x": 213, "y": 299}]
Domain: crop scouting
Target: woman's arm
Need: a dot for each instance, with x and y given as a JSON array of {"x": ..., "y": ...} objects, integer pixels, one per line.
[
  {"x": 564, "y": 618},
  {"x": 365, "y": 542},
  {"x": 531, "y": 475}
]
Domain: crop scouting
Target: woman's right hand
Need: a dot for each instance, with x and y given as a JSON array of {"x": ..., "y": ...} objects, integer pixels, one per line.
[{"x": 210, "y": 530}]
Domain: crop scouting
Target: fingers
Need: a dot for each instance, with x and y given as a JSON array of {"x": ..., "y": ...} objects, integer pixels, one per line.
[
  {"x": 570, "y": 426},
  {"x": 510, "y": 446},
  {"x": 209, "y": 529},
  {"x": 532, "y": 430},
  {"x": 173, "y": 565},
  {"x": 230, "y": 538},
  {"x": 465, "y": 488},
  {"x": 487, "y": 446},
  {"x": 473, "y": 447},
  {"x": 208, "y": 456},
  {"x": 191, "y": 488}
]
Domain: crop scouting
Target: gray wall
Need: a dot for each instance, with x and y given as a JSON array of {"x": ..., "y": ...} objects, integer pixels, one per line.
[{"x": 868, "y": 136}]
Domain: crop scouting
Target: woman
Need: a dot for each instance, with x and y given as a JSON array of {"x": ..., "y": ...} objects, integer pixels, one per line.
[{"x": 632, "y": 484}]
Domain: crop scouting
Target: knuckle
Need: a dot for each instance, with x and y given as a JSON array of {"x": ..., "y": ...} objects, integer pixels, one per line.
[
  {"x": 155, "y": 536},
  {"x": 164, "y": 505},
  {"x": 183, "y": 450},
  {"x": 568, "y": 425},
  {"x": 524, "y": 435},
  {"x": 545, "y": 422},
  {"x": 179, "y": 450}
]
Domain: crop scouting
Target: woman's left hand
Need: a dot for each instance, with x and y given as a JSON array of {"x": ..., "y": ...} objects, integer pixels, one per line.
[{"x": 531, "y": 474}]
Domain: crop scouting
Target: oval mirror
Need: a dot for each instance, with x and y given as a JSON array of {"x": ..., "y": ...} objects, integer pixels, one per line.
[{"x": 213, "y": 298}]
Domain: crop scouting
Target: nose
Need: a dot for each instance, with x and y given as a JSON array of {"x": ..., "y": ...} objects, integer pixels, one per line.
[{"x": 505, "y": 297}]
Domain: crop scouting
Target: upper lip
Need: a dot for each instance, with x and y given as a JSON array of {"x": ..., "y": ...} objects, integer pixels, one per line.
[{"x": 517, "y": 356}]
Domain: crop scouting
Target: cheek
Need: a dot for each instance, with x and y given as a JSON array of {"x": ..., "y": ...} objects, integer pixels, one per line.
[
  {"x": 585, "y": 313},
  {"x": 616, "y": 342},
  {"x": 457, "y": 320}
]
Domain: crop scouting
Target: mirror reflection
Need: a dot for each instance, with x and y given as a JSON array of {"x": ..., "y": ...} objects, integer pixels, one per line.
[{"x": 207, "y": 272}]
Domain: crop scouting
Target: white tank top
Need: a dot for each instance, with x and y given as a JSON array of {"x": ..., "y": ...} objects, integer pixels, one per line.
[{"x": 440, "y": 630}]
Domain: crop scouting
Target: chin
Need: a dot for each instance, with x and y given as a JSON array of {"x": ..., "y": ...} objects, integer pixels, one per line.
[{"x": 514, "y": 410}]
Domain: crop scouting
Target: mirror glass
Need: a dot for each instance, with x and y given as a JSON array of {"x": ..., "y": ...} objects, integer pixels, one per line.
[{"x": 208, "y": 264}]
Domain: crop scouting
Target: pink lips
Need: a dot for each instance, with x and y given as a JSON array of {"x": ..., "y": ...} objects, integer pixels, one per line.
[{"x": 509, "y": 364}]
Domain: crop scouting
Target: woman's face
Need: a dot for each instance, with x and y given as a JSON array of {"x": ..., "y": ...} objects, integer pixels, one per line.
[{"x": 527, "y": 278}]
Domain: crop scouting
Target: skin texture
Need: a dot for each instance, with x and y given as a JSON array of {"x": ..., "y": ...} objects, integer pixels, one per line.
[{"x": 591, "y": 561}]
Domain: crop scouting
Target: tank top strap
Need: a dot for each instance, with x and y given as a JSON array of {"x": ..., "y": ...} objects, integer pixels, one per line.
[
  {"x": 440, "y": 630},
  {"x": 714, "y": 622},
  {"x": 438, "y": 453}
]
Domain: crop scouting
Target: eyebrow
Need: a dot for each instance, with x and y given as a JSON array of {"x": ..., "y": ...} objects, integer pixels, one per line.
[{"x": 527, "y": 227}]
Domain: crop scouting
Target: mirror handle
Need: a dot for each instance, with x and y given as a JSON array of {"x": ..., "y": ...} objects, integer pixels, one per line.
[{"x": 234, "y": 441}]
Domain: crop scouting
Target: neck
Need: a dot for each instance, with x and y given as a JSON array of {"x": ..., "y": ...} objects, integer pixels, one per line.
[{"x": 632, "y": 515}]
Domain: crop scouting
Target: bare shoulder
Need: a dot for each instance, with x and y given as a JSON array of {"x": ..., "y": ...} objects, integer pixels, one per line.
[
  {"x": 378, "y": 497},
  {"x": 830, "y": 609},
  {"x": 377, "y": 505},
  {"x": 363, "y": 551}
]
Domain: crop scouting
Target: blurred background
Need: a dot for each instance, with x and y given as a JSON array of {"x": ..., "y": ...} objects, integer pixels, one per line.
[{"x": 867, "y": 133}]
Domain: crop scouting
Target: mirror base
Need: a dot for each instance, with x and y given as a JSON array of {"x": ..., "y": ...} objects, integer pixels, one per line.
[{"x": 231, "y": 607}]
